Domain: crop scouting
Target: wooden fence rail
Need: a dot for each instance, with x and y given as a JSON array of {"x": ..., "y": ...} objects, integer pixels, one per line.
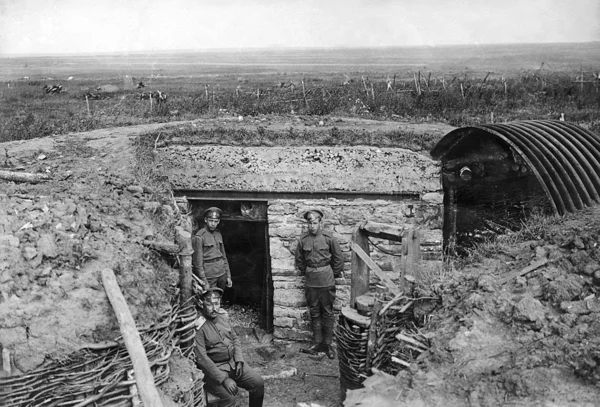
[{"x": 362, "y": 264}]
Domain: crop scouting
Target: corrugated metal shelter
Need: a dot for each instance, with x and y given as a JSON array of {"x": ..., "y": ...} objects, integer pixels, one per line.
[{"x": 494, "y": 175}]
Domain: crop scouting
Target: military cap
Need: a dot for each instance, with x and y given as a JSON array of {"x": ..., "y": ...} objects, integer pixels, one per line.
[
  {"x": 212, "y": 292},
  {"x": 212, "y": 213},
  {"x": 313, "y": 210}
]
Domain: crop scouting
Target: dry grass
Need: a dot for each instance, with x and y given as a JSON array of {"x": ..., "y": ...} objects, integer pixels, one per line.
[{"x": 28, "y": 112}]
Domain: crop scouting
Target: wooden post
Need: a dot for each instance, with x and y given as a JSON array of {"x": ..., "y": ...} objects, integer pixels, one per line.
[
  {"x": 372, "y": 338},
  {"x": 6, "y": 362},
  {"x": 304, "y": 94},
  {"x": 450, "y": 215},
  {"x": 87, "y": 102},
  {"x": 16, "y": 176},
  {"x": 417, "y": 246},
  {"x": 359, "y": 278},
  {"x": 133, "y": 342},
  {"x": 407, "y": 260},
  {"x": 184, "y": 240}
]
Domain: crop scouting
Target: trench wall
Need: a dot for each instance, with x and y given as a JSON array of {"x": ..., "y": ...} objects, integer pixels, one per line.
[{"x": 286, "y": 224}]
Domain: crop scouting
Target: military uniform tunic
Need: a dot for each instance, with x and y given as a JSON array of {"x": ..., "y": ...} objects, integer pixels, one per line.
[
  {"x": 209, "y": 261},
  {"x": 217, "y": 348},
  {"x": 320, "y": 258}
]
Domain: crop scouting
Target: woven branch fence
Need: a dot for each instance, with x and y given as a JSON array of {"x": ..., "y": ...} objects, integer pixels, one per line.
[
  {"x": 390, "y": 342},
  {"x": 103, "y": 375}
]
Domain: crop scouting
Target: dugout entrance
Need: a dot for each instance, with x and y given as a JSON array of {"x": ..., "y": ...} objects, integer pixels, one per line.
[{"x": 245, "y": 235}]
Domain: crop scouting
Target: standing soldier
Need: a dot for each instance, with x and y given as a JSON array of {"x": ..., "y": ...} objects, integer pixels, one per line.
[
  {"x": 209, "y": 262},
  {"x": 319, "y": 258}
]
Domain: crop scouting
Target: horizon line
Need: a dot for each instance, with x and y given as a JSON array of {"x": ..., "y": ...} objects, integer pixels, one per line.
[{"x": 278, "y": 48}]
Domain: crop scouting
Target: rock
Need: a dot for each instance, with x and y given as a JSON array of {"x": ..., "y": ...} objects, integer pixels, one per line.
[
  {"x": 135, "y": 189},
  {"x": 47, "y": 246},
  {"x": 529, "y": 309},
  {"x": 486, "y": 283},
  {"x": 29, "y": 252}
]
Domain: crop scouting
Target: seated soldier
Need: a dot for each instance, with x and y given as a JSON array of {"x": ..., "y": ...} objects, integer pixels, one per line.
[{"x": 219, "y": 355}]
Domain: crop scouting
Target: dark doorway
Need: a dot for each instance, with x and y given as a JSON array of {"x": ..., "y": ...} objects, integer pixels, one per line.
[{"x": 245, "y": 235}]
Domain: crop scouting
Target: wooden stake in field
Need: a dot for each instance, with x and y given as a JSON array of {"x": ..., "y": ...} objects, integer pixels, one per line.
[
  {"x": 304, "y": 94},
  {"x": 87, "y": 102},
  {"x": 417, "y": 83}
]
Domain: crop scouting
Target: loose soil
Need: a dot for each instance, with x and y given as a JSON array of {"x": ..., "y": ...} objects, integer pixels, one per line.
[{"x": 531, "y": 341}]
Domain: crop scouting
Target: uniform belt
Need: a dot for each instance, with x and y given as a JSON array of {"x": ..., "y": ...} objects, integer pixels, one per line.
[
  {"x": 212, "y": 260},
  {"x": 319, "y": 264}
]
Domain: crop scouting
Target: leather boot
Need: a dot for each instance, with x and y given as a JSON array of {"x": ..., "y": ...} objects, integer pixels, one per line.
[
  {"x": 317, "y": 331},
  {"x": 329, "y": 351},
  {"x": 256, "y": 400},
  {"x": 328, "y": 331}
]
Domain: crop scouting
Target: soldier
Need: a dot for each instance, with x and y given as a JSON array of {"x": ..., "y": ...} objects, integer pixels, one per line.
[
  {"x": 209, "y": 262},
  {"x": 219, "y": 355},
  {"x": 319, "y": 258}
]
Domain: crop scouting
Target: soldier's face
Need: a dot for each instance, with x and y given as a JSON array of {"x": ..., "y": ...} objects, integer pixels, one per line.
[
  {"x": 212, "y": 223},
  {"x": 211, "y": 306},
  {"x": 314, "y": 225}
]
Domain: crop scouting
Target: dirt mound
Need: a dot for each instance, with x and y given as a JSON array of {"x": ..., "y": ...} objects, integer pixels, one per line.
[
  {"x": 55, "y": 238},
  {"x": 532, "y": 340},
  {"x": 517, "y": 327}
]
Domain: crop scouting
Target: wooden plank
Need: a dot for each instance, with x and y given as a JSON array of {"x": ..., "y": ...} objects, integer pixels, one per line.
[
  {"x": 384, "y": 231},
  {"x": 404, "y": 254},
  {"x": 133, "y": 342},
  {"x": 163, "y": 247},
  {"x": 359, "y": 277},
  {"x": 417, "y": 246},
  {"x": 450, "y": 214},
  {"x": 184, "y": 240},
  {"x": 420, "y": 346},
  {"x": 528, "y": 269},
  {"x": 400, "y": 361},
  {"x": 378, "y": 272},
  {"x": 23, "y": 176},
  {"x": 410, "y": 253}
]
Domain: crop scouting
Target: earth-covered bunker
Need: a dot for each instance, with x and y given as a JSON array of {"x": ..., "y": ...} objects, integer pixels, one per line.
[
  {"x": 495, "y": 175},
  {"x": 264, "y": 191}
]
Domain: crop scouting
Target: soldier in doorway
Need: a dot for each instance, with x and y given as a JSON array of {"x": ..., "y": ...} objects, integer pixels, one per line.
[
  {"x": 209, "y": 262},
  {"x": 319, "y": 258}
]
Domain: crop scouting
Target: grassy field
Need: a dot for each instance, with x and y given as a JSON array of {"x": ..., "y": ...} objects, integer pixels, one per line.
[{"x": 458, "y": 85}]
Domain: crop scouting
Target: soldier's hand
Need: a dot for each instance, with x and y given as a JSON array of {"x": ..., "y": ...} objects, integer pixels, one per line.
[
  {"x": 239, "y": 369},
  {"x": 230, "y": 386},
  {"x": 205, "y": 284},
  {"x": 229, "y": 283}
]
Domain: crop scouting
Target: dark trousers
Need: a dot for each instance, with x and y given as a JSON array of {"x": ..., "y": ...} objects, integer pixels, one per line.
[
  {"x": 220, "y": 281},
  {"x": 320, "y": 307},
  {"x": 250, "y": 381}
]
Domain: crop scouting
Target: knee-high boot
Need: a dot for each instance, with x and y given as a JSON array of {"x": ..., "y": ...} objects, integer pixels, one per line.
[
  {"x": 256, "y": 400},
  {"x": 317, "y": 329},
  {"x": 328, "y": 331}
]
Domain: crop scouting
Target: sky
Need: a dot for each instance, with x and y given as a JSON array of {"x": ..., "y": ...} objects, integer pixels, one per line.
[{"x": 84, "y": 26}]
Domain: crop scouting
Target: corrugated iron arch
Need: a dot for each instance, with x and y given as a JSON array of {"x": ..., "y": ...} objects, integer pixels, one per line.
[{"x": 564, "y": 157}]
